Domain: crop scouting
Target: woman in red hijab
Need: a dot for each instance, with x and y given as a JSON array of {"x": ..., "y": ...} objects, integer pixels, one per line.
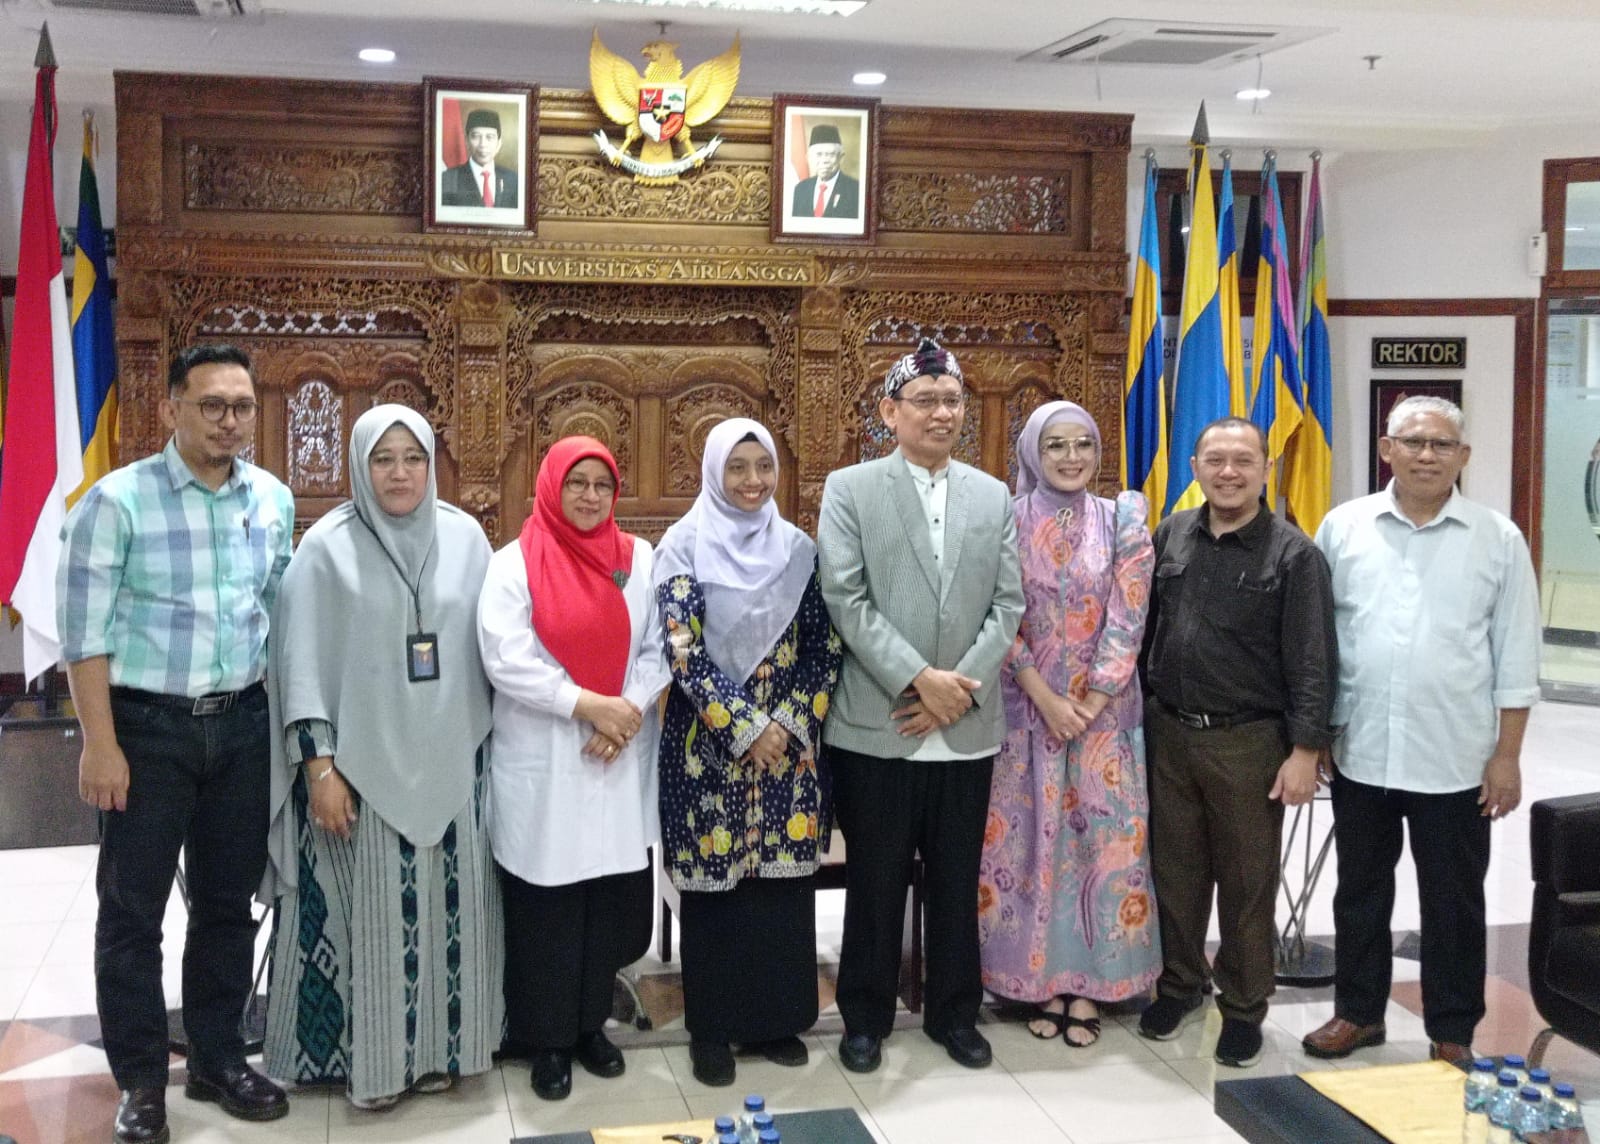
[{"x": 571, "y": 642}]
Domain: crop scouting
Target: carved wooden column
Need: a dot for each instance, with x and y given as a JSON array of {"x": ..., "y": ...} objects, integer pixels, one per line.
[
  {"x": 818, "y": 399},
  {"x": 478, "y": 436}
]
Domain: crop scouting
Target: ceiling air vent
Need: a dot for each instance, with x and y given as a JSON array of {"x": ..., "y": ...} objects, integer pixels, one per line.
[
  {"x": 1158, "y": 43},
  {"x": 194, "y": 9}
]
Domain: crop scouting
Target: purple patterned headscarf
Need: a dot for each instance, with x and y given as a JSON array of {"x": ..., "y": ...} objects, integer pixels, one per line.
[{"x": 1030, "y": 480}]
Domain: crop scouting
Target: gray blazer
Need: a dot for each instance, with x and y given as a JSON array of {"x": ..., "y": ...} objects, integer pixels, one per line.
[{"x": 898, "y": 610}]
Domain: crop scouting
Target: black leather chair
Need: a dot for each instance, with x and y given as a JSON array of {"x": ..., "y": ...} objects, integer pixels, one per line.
[{"x": 1564, "y": 938}]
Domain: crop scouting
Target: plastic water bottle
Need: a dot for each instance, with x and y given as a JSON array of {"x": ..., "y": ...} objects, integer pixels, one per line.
[
  {"x": 1480, "y": 1085},
  {"x": 770, "y": 1136},
  {"x": 724, "y": 1125},
  {"x": 1530, "y": 1118},
  {"x": 747, "y": 1119},
  {"x": 1475, "y": 1100},
  {"x": 761, "y": 1121},
  {"x": 1564, "y": 1111},
  {"x": 1540, "y": 1079},
  {"x": 1502, "y": 1105},
  {"x": 727, "y": 1138},
  {"x": 1512, "y": 1063}
]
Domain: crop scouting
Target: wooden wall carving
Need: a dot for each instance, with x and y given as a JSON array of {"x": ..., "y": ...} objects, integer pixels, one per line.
[
  {"x": 287, "y": 179},
  {"x": 285, "y": 215}
]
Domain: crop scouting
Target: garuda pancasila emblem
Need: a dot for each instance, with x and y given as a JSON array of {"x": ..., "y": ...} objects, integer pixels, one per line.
[{"x": 659, "y": 107}]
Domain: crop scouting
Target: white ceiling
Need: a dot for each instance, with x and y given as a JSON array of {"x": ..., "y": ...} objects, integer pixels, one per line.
[{"x": 1450, "y": 71}]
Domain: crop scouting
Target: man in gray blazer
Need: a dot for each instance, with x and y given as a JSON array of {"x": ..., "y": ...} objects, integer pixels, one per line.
[{"x": 919, "y": 570}]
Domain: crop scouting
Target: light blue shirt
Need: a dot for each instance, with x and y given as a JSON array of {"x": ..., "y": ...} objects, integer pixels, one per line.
[{"x": 1438, "y": 631}]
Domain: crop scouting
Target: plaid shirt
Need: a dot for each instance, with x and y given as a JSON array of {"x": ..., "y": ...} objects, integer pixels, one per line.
[{"x": 174, "y": 582}]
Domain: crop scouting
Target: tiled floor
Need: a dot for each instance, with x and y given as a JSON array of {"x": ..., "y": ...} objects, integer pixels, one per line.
[{"x": 54, "y": 1087}]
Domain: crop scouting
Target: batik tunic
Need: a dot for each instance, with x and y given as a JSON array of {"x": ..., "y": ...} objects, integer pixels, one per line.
[
  {"x": 720, "y": 820},
  {"x": 1065, "y": 898}
]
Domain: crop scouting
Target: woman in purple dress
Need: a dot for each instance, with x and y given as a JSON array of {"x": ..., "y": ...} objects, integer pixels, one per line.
[{"x": 1066, "y": 912}]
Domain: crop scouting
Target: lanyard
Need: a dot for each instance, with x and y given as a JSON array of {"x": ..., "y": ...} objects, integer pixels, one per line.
[{"x": 414, "y": 589}]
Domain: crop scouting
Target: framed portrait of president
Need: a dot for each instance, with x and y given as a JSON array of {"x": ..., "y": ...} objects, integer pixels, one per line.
[
  {"x": 480, "y": 149},
  {"x": 824, "y": 169}
]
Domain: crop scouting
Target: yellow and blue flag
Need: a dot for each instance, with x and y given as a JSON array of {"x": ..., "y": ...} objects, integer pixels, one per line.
[
  {"x": 1309, "y": 481},
  {"x": 1276, "y": 384},
  {"x": 94, "y": 343},
  {"x": 1144, "y": 391},
  {"x": 1200, "y": 386},
  {"x": 1228, "y": 291}
]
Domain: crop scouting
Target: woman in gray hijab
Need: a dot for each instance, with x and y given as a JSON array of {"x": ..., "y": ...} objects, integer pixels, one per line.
[{"x": 388, "y": 949}]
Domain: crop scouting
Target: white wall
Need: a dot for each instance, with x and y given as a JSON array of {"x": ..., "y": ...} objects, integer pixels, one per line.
[{"x": 16, "y": 120}]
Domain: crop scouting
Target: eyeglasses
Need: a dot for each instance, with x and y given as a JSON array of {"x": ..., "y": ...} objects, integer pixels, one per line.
[
  {"x": 1067, "y": 446},
  {"x": 577, "y": 486},
  {"x": 417, "y": 460},
  {"x": 1441, "y": 446},
  {"x": 928, "y": 402},
  {"x": 214, "y": 409}
]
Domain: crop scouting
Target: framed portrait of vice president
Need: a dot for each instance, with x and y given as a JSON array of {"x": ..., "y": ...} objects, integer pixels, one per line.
[
  {"x": 824, "y": 169},
  {"x": 480, "y": 152}
]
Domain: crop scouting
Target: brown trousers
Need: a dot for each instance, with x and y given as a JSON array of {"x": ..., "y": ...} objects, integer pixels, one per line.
[{"x": 1212, "y": 826}]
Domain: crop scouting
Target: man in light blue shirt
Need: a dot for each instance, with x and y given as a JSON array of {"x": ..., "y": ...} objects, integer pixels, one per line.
[
  {"x": 1438, "y": 619},
  {"x": 169, "y": 567}
]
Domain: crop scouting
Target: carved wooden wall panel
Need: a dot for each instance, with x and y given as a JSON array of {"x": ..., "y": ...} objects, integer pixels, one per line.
[{"x": 285, "y": 215}]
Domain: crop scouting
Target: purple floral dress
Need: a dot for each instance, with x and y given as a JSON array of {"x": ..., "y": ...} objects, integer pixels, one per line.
[{"x": 1065, "y": 898}]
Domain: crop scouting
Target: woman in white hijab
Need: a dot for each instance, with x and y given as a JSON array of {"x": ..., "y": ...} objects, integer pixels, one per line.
[
  {"x": 388, "y": 949},
  {"x": 744, "y": 794}
]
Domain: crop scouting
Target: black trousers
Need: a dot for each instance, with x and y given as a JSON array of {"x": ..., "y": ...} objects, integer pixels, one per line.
[
  {"x": 1450, "y": 845},
  {"x": 564, "y": 945},
  {"x": 750, "y": 960},
  {"x": 890, "y": 810},
  {"x": 196, "y": 783}
]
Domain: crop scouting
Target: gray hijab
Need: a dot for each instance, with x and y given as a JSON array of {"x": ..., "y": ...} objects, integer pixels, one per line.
[{"x": 337, "y": 652}]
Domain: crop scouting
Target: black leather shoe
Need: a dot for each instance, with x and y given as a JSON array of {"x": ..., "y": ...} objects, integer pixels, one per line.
[
  {"x": 790, "y": 1052},
  {"x": 861, "y": 1052},
  {"x": 598, "y": 1055},
  {"x": 240, "y": 1090},
  {"x": 142, "y": 1117},
  {"x": 713, "y": 1063},
  {"x": 967, "y": 1046},
  {"x": 552, "y": 1074}
]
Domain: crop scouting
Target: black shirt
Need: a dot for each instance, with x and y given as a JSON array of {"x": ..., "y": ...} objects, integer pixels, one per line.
[{"x": 1243, "y": 623}]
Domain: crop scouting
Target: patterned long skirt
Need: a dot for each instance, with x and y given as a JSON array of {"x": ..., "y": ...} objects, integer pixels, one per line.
[{"x": 387, "y": 959}]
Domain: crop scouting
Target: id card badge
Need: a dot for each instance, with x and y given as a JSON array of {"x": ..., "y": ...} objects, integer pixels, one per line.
[{"x": 422, "y": 657}]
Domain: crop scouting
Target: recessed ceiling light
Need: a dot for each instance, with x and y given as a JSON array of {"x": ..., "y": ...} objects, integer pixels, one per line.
[
  {"x": 376, "y": 55},
  {"x": 1573, "y": 229},
  {"x": 1252, "y": 93},
  {"x": 868, "y": 79},
  {"x": 798, "y": 7}
]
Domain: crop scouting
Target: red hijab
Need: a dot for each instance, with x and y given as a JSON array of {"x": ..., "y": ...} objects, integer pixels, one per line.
[{"x": 576, "y": 577}]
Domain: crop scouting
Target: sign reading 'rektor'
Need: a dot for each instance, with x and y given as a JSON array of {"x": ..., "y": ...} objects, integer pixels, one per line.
[{"x": 1419, "y": 353}]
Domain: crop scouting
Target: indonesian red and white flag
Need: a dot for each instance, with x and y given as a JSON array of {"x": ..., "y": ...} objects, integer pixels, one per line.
[{"x": 42, "y": 460}]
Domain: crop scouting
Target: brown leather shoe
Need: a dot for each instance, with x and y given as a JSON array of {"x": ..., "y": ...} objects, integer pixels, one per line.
[
  {"x": 1450, "y": 1051},
  {"x": 1340, "y": 1038}
]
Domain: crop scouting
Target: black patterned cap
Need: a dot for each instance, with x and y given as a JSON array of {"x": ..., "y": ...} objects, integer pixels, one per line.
[{"x": 929, "y": 359}]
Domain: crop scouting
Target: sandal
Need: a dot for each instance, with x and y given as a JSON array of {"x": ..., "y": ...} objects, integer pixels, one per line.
[
  {"x": 1055, "y": 1020},
  {"x": 1090, "y": 1024}
]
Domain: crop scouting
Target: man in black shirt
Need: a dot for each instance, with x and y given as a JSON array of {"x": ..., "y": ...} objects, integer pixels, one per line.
[{"x": 1240, "y": 663}]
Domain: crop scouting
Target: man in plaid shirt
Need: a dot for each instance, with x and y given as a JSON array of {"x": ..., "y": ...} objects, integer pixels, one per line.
[{"x": 164, "y": 593}]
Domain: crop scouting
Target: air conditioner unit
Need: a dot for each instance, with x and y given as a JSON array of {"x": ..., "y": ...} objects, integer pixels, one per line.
[
  {"x": 1170, "y": 43},
  {"x": 192, "y": 9}
]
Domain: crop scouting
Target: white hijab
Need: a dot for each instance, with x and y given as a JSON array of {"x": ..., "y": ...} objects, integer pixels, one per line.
[{"x": 753, "y": 567}]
